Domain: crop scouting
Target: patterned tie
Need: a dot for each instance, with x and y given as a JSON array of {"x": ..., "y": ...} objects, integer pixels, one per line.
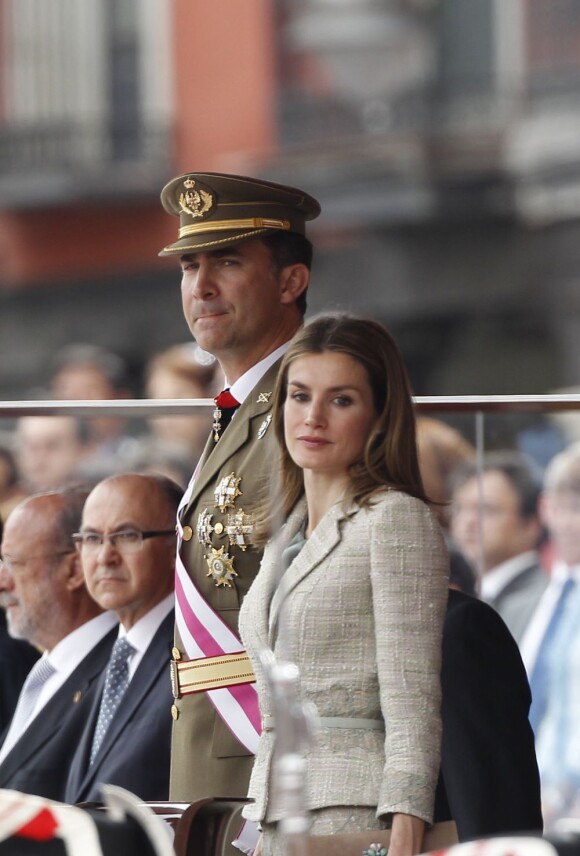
[
  {"x": 225, "y": 407},
  {"x": 116, "y": 683},
  {"x": 37, "y": 677},
  {"x": 540, "y": 677}
]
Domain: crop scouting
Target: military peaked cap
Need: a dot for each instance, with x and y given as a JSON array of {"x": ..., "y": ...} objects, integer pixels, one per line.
[{"x": 216, "y": 210}]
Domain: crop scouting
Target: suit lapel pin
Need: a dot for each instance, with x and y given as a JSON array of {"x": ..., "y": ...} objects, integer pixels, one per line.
[
  {"x": 263, "y": 398},
  {"x": 264, "y": 426},
  {"x": 77, "y": 697}
]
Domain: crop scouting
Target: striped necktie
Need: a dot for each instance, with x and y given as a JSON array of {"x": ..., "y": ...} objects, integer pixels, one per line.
[{"x": 37, "y": 677}]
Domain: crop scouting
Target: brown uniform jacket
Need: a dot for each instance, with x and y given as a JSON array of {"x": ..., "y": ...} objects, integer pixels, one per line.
[{"x": 206, "y": 759}]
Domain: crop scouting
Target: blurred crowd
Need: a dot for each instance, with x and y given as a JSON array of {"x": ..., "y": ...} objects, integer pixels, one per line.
[{"x": 43, "y": 452}]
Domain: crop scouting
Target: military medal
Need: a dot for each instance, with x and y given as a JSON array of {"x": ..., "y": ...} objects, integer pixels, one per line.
[
  {"x": 227, "y": 491},
  {"x": 226, "y": 401},
  {"x": 204, "y": 527},
  {"x": 217, "y": 424},
  {"x": 239, "y": 528},
  {"x": 263, "y": 398},
  {"x": 221, "y": 567}
]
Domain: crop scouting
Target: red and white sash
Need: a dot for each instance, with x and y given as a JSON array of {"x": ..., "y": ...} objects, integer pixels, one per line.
[{"x": 204, "y": 634}]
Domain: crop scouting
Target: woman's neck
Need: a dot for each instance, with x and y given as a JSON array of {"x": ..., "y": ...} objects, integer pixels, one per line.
[{"x": 322, "y": 491}]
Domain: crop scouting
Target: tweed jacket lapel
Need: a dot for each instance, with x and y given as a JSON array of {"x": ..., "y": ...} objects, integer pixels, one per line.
[
  {"x": 323, "y": 540},
  {"x": 215, "y": 456}
]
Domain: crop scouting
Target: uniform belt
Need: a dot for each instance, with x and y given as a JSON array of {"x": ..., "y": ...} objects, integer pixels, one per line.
[
  {"x": 210, "y": 673},
  {"x": 336, "y": 722}
]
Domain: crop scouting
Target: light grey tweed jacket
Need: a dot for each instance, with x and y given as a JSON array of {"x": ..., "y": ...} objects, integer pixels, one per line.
[{"x": 360, "y": 611}]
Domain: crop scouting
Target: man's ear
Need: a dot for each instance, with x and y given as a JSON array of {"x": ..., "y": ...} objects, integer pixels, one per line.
[
  {"x": 75, "y": 578},
  {"x": 294, "y": 280}
]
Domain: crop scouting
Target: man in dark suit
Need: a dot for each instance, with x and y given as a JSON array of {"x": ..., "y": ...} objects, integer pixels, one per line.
[
  {"x": 245, "y": 264},
  {"x": 490, "y": 782},
  {"x": 127, "y": 546},
  {"x": 43, "y": 591}
]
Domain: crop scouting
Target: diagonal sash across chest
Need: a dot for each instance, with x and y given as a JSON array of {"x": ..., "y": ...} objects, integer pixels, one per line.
[
  {"x": 206, "y": 638},
  {"x": 205, "y": 635}
]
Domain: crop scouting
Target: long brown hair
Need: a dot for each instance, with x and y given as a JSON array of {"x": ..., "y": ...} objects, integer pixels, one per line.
[{"x": 390, "y": 454}]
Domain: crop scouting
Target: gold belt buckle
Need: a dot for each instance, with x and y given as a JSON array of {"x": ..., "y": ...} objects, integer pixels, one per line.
[{"x": 208, "y": 673}]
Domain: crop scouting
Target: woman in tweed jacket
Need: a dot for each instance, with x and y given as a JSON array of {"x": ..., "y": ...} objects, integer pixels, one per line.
[{"x": 360, "y": 604}]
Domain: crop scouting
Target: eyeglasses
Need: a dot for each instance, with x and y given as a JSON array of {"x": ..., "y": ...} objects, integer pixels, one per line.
[
  {"x": 12, "y": 565},
  {"x": 125, "y": 541}
]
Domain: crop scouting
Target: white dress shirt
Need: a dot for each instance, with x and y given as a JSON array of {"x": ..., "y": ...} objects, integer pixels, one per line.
[
  {"x": 141, "y": 634},
  {"x": 240, "y": 390},
  {"x": 246, "y": 383}
]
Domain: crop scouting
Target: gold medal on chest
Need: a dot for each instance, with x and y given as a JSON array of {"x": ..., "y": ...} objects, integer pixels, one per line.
[
  {"x": 239, "y": 527},
  {"x": 221, "y": 567},
  {"x": 227, "y": 492}
]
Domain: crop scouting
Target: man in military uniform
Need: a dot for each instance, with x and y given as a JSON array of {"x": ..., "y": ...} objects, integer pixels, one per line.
[{"x": 245, "y": 269}]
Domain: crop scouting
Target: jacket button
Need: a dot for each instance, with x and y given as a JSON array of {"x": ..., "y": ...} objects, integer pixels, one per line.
[
  {"x": 187, "y": 533},
  {"x": 174, "y": 712}
]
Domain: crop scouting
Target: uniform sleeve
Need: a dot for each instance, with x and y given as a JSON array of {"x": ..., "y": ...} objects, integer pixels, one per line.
[{"x": 409, "y": 578}]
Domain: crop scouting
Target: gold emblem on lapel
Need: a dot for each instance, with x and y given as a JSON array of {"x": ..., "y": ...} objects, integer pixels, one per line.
[
  {"x": 264, "y": 397},
  {"x": 221, "y": 567},
  {"x": 204, "y": 527},
  {"x": 264, "y": 426},
  {"x": 77, "y": 697},
  {"x": 227, "y": 492},
  {"x": 239, "y": 528}
]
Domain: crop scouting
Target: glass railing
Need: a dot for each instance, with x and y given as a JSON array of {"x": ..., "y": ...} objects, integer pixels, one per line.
[{"x": 539, "y": 426}]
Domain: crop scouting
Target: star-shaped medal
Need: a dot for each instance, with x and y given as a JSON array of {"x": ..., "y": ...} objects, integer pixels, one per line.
[{"x": 221, "y": 567}]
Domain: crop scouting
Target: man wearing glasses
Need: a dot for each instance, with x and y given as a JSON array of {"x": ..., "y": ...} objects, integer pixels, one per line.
[
  {"x": 43, "y": 592},
  {"x": 127, "y": 547}
]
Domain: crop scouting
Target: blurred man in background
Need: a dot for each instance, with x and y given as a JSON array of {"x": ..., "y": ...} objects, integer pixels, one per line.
[
  {"x": 87, "y": 371},
  {"x": 50, "y": 451},
  {"x": 495, "y": 522},
  {"x": 551, "y": 644}
]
